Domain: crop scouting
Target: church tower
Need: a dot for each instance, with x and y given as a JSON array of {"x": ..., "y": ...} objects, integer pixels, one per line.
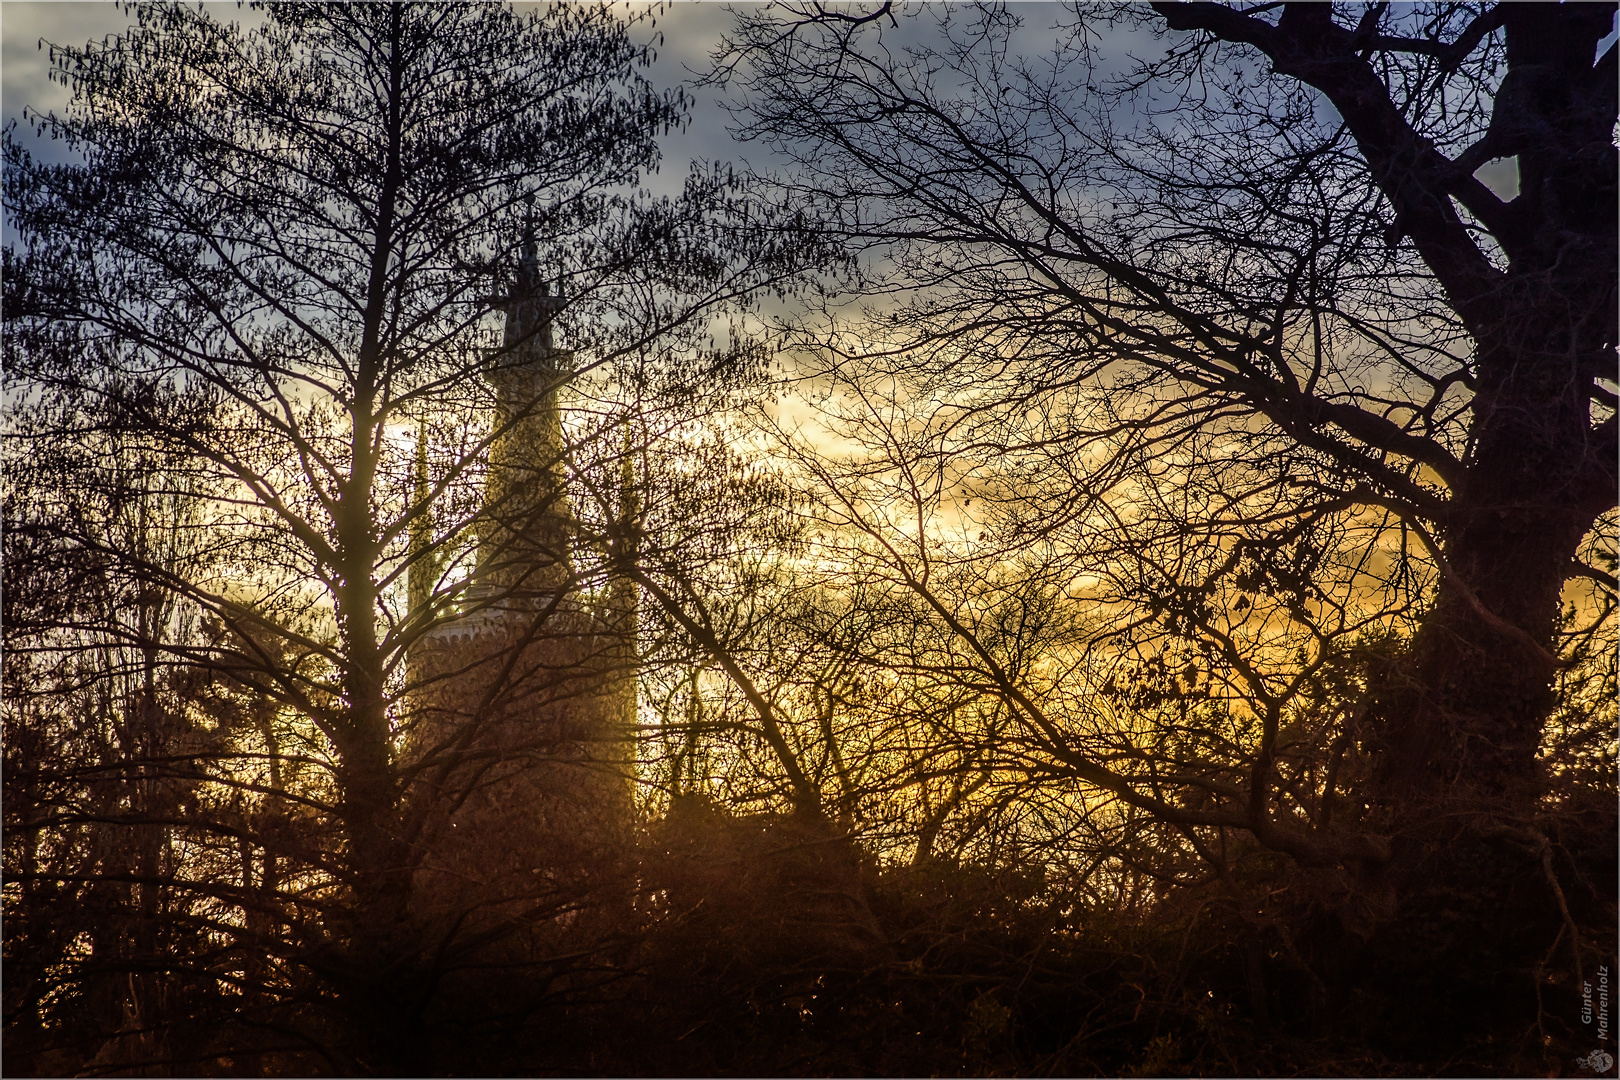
[
  {"x": 526, "y": 528},
  {"x": 520, "y": 723}
]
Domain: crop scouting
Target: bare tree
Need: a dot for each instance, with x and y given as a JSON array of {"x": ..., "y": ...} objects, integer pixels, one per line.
[
  {"x": 1283, "y": 295},
  {"x": 1223, "y": 385}
]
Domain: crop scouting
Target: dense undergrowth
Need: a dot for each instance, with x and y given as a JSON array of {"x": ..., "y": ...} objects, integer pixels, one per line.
[{"x": 774, "y": 946}]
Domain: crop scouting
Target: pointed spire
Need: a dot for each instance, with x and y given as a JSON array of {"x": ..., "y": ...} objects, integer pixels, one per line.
[
  {"x": 524, "y": 534},
  {"x": 624, "y": 593},
  {"x": 529, "y": 305}
]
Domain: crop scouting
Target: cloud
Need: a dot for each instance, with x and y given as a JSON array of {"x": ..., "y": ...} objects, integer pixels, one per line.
[{"x": 27, "y": 30}]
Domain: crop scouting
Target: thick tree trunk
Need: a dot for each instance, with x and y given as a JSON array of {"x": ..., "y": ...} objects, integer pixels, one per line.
[
  {"x": 377, "y": 965},
  {"x": 376, "y": 951},
  {"x": 1465, "y": 712}
]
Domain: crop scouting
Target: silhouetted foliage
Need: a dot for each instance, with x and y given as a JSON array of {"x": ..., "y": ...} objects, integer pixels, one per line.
[
  {"x": 1244, "y": 464},
  {"x": 1163, "y": 625}
]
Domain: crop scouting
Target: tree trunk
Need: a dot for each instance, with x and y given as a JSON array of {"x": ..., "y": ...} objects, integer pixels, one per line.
[
  {"x": 1465, "y": 712},
  {"x": 378, "y": 965},
  {"x": 376, "y": 948}
]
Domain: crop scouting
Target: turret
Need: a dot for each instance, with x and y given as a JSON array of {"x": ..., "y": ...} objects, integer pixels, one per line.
[
  {"x": 528, "y": 694},
  {"x": 623, "y": 614}
]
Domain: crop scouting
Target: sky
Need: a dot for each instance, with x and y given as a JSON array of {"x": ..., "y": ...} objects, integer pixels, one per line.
[
  {"x": 689, "y": 29},
  {"x": 687, "y": 32}
]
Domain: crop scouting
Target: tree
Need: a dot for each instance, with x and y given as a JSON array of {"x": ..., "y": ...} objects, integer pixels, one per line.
[
  {"x": 266, "y": 276},
  {"x": 1537, "y": 470},
  {"x": 87, "y": 723},
  {"x": 1233, "y": 358},
  {"x": 1292, "y": 261}
]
